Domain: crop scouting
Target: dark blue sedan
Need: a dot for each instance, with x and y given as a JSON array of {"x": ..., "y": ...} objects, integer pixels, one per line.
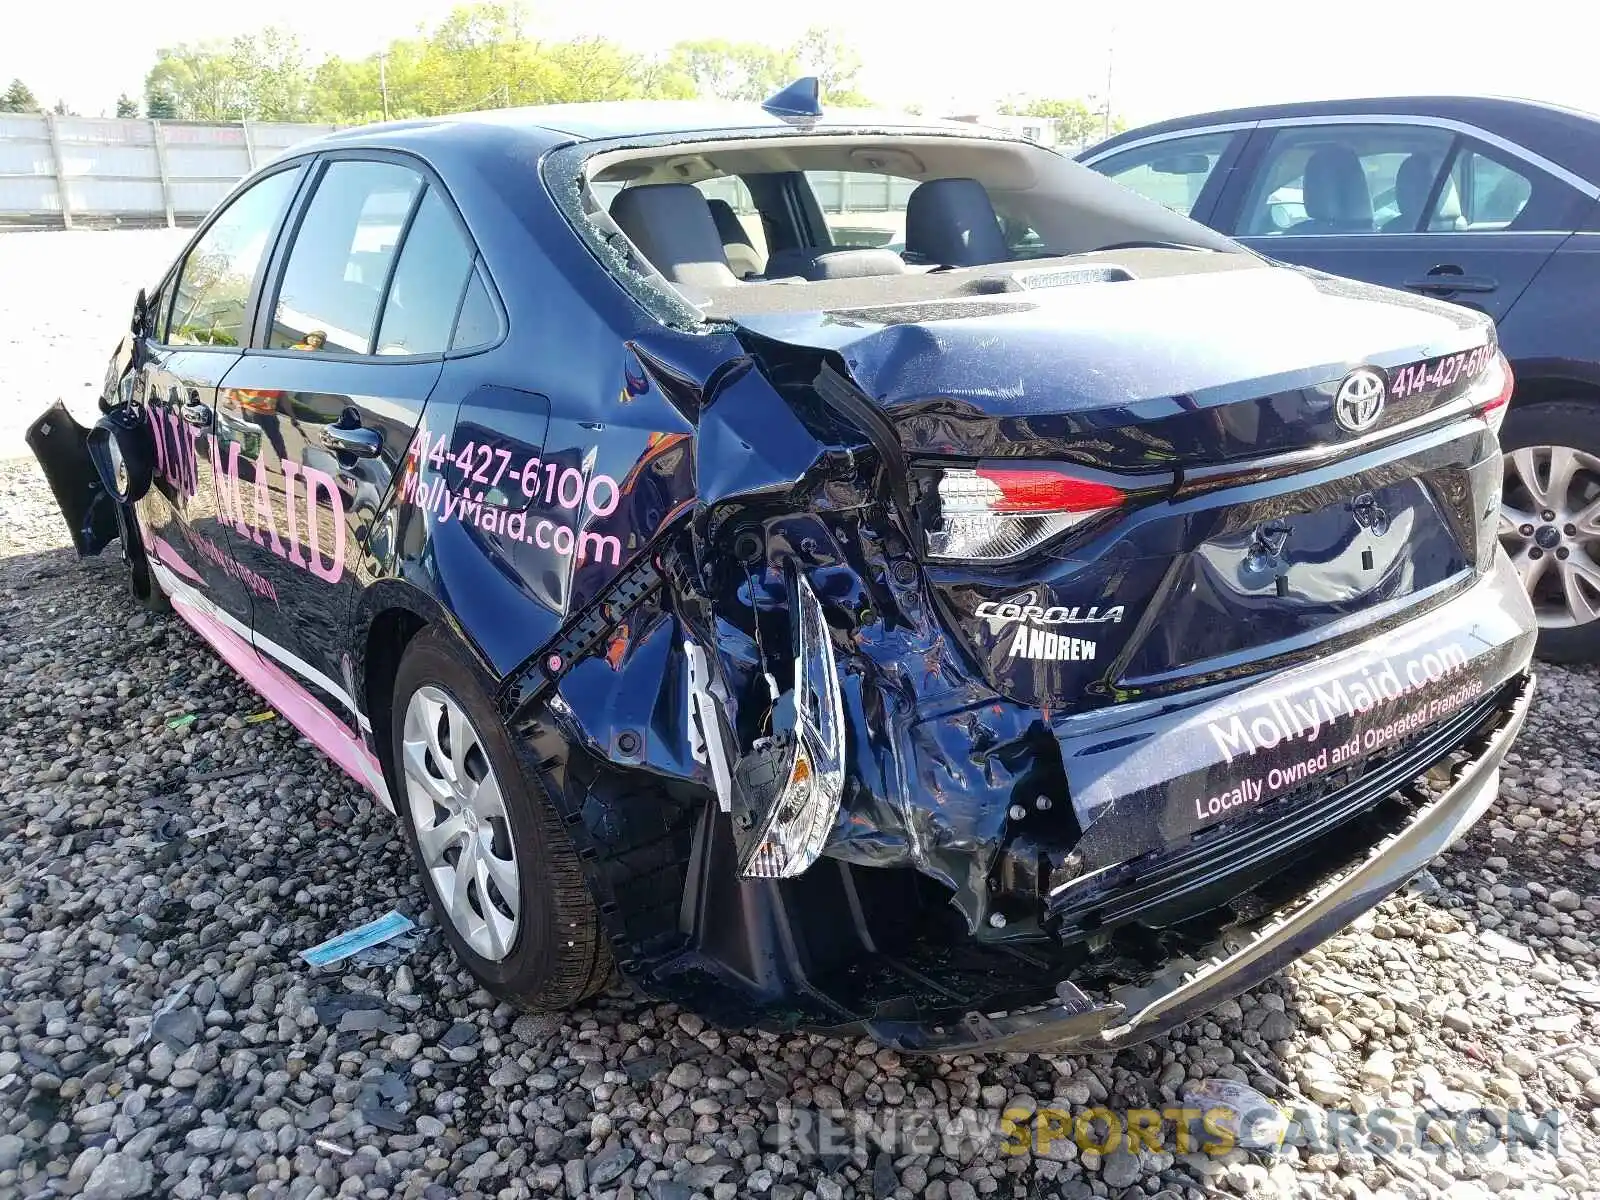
[
  {"x": 1487, "y": 203},
  {"x": 954, "y": 643}
]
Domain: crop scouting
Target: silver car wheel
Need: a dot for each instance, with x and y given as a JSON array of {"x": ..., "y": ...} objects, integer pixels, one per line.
[
  {"x": 1550, "y": 526},
  {"x": 459, "y": 813}
]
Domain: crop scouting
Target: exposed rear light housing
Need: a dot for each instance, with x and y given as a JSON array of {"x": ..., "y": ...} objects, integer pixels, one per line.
[
  {"x": 1491, "y": 391},
  {"x": 992, "y": 512}
]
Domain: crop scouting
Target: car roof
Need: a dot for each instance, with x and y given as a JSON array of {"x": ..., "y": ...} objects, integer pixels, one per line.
[
  {"x": 553, "y": 123},
  {"x": 1567, "y": 136}
]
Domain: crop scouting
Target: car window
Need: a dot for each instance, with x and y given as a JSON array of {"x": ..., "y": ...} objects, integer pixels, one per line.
[
  {"x": 333, "y": 282},
  {"x": 862, "y": 209},
  {"x": 1172, "y": 173},
  {"x": 1325, "y": 179},
  {"x": 420, "y": 310},
  {"x": 479, "y": 321},
  {"x": 159, "y": 311},
  {"x": 1479, "y": 193},
  {"x": 213, "y": 289}
]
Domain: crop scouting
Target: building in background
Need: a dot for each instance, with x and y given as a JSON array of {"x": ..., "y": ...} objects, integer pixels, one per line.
[{"x": 1042, "y": 130}]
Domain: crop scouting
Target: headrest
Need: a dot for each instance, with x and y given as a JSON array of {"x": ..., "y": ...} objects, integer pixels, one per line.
[
  {"x": 671, "y": 225},
  {"x": 729, "y": 228},
  {"x": 1335, "y": 187},
  {"x": 1412, "y": 183},
  {"x": 952, "y": 222}
]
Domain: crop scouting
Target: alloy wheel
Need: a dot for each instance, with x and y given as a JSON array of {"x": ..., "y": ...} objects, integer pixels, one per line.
[
  {"x": 1550, "y": 526},
  {"x": 459, "y": 813}
]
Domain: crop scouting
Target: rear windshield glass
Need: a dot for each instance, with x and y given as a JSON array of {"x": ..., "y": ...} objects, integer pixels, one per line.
[{"x": 718, "y": 228}]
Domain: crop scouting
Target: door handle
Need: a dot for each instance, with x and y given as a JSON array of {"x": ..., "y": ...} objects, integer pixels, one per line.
[
  {"x": 196, "y": 414},
  {"x": 1448, "y": 277},
  {"x": 357, "y": 441}
]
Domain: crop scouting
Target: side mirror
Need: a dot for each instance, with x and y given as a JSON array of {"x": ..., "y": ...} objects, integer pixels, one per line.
[
  {"x": 141, "y": 315},
  {"x": 1181, "y": 164}
]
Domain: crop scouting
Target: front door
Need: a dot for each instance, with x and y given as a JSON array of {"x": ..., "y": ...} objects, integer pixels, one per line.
[
  {"x": 189, "y": 349},
  {"x": 351, "y": 345},
  {"x": 1414, "y": 207}
]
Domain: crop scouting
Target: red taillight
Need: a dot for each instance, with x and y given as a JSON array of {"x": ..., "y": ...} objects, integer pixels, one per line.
[
  {"x": 998, "y": 511},
  {"x": 1493, "y": 408},
  {"x": 1034, "y": 490}
]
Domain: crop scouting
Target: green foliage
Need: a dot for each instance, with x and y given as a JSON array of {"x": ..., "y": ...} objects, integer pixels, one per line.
[
  {"x": 1076, "y": 122},
  {"x": 19, "y": 98},
  {"x": 717, "y": 69},
  {"x": 127, "y": 106},
  {"x": 824, "y": 53},
  {"x": 255, "y": 77},
  {"x": 159, "y": 104},
  {"x": 482, "y": 55}
]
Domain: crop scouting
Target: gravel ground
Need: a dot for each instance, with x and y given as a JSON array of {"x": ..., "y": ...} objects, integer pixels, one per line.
[{"x": 160, "y": 1036}]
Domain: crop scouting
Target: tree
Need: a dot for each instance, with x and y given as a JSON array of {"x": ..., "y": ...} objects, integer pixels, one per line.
[
  {"x": 159, "y": 104},
  {"x": 19, "y": 98},
  {"x": 256, "y": 77},
  {"x": 480, "y": 57},
  {"x": 1076, "y": 123},
  {"x": 722, "y": 70},
  {"x": 200, "y": 81},
  {"x": 272, "y": 67},
  {"x": 823, "y": 52},
  {"x": 61, "y": 109},
  {"x": 127, "y": 106}
]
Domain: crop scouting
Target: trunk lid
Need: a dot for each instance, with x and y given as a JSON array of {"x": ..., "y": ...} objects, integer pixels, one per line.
[
  {"x": 1258, "y": 531},
  {"x": 1204, "y": 368}
]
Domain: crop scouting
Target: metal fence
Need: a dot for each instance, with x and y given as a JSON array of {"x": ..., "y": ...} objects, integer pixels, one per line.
[{"x": 67, "y": 171}]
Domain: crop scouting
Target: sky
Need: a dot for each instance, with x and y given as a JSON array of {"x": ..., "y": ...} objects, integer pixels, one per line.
[{"x": 1165, "y": 57}]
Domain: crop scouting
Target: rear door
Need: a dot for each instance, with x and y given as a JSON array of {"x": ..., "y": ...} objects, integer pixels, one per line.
[
  {"x": 1414, "y": 206},
  {"x": 352, "y": 337},
  {"x": 196, "y": 338}
]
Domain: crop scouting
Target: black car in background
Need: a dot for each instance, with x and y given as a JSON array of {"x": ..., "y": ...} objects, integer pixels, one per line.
[{"x": 1488, "y": 203}]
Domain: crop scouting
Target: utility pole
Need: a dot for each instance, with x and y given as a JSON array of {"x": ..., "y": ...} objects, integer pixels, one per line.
[
  {"x": 1111, "y": 51},
  {"x": 383, "y": 80}
]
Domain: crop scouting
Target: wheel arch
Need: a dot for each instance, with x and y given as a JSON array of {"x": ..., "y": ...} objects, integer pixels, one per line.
[
  {"x": 1539, "y": 381},
  {"x": 389, "y": 616}
]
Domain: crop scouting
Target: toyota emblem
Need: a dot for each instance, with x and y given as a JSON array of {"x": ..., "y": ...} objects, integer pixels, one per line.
[{"x": 1359, "y": 403}]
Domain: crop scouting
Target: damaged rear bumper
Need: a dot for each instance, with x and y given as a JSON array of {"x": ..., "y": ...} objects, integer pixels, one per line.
[{"x": 1245, "y": 953}]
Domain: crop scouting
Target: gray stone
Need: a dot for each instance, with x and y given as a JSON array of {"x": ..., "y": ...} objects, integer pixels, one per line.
[
  {"x": 118, "y": 1177},
  {"x": 684, "y": 1076},
  {"x": 1565, "y": 900},
  {"x": 608, "y": 1165},
  {"x": 1120, "y": 1169}
]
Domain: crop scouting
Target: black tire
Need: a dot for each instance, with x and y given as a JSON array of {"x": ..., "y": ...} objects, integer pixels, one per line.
[
  {"x": 559, "y": 957},
  {"x": 1574, "y": 423},
  {"x": 141, "y": 580}
]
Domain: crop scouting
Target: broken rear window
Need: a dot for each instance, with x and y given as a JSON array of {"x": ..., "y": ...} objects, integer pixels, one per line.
[{"x": 795, "y": 222}]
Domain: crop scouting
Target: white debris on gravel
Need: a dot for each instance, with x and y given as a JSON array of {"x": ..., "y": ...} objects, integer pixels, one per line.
[{"x": 159, "y": 1035}]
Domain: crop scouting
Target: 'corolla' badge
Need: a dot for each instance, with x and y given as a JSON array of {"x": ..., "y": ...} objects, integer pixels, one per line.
[{"x": 1359, "y": 403}]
